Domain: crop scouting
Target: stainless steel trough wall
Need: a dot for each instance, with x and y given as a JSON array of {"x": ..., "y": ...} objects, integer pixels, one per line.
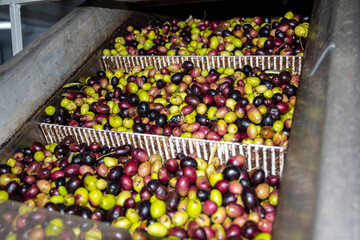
[{"x": 320, "y": 197}]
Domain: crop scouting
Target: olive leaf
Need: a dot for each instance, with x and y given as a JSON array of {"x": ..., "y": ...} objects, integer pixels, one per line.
[
  {"x": 71, "y": 157},
  {"x": 69, "y": 85}
]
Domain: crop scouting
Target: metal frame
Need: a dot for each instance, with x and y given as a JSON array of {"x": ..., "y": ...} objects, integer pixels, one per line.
[{"x": 15, "y": 19}]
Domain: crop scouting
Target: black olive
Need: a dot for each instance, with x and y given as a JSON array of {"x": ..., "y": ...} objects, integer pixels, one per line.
[
  {"x": 247, "y": 69},
  {"x": 188, "y": 66},
  {"x": 249, "y": 198},
  {"x": 114, "y": 81},
  {"x": 89, "y": 159},
  {"x": 161, "y": 120},
  {"x": 101, "y": 74},
  {"x": 60, "y": 181},
  {"x": 138, "y": 128},
  {"x": 115, "y": 173},
  {"x": 143, "y": 109},
  {"x": 133, "y": 99},
  {"x": 153, "y": 113},
  {"x": 257, "y": 177},
  {"x": 258, "y": 100},
  {"x": 113, "y": 188},
  {"x": 231, "y": 173},
  {"x": 228, "y": 198},
  {"x": 153, "y": 185},
  {"x": 290, "y": 90},
  {"x": 77, "y": 159},
  {"x": 264, "y": 32},
  {"x": 212, "y": 92},
  {"x": 267, "y": 83},
  {"x": 235, "y": 94},
  {"x": 144, "y": 209},
  {"x": 177, "y": 78},
  {"x": 188, "y": 162},
  {"x": 267, "y": 121},
  {"x": 203, "y": 194},
  {"x": 123, "y": 97},
  {"x": 202, "y": 119},
  {"x": 242, "y": 123},
  {"x": 246, "y": 26}
]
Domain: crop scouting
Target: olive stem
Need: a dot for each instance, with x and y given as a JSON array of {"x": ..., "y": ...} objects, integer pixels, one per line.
[
  {"x": 105, "y": 155},
  {"x": 212, "y": 155}
]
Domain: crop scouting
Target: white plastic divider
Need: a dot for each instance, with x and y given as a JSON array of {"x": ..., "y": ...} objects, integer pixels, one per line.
[
  {"x": 205, "y": 62},
  {"x": 270, "y": 159}
]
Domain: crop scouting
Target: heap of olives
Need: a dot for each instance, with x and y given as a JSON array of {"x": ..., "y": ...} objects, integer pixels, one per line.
[
  {"x": 238, "y": 36},
  {"x": 181, "y": 197},
  {"x": 238, "y": 105}
]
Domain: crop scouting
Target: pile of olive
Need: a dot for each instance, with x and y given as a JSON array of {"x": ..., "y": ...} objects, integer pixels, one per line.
[
  {"x": 238, "y": 105},
  {"x": 238, "y": 36},
  {"x": 183, "y": 197}
]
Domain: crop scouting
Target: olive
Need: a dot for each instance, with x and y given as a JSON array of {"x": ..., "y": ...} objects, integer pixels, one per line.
[
  {"x": 267, "y": 121},
  {"x": 188, "y": 162},
  {"x": 231, "y": 173},
  {"x": 89, "y": 159},
  {"x": 203, "y": 194},
  {"x": 11, "y": 188},
  {"x": 153, "y": 185},
  {"x": 177, "y": 78},
  {"x": 249, "y": 229},
  {"x": 85, "y": 213},
  {"x": 153, "y": 114},
  {"x": 290, "y": 90},
  {"x": 228, "y": 198},
  {"x": 113, "y": 188},
  {"x": 77, "y": 159},
  {"x": 138, "y": 128},
  {"x": 133, "y": 99},
  {"x": 124, "y": 150},
  {"x": 172, "y": 200},
  {"x": 4, "y": 168},
  {"x": 249, "y": 198},
  {"x": 212, "y": 92},
  {"x": 245, "y": 182},
  {"x": 143, "y": 109},
  {"x": 72, "y": 210},
  {"x": 144, "y": 209},
  {"x": 72, "y": 184},
  {"x": 188, "y": 66},
  {"x": 257, "y": 177},
  {"x": 114, "y": 213},
  {"x": 242, "y": 123},
  {"x": 60, "y": 181},
  {"x": 202, "y": 119},
  {"x": 115, "y": 173}
]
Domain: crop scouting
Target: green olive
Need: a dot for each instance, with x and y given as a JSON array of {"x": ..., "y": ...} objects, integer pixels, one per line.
[
  {"x": 90, "y": 182},
  {"x": 132, "y": 215},
  {"x": 115, "y": 121},
  {"x": 39, "y": 156},
  {"x": 101, "y": 184},
  {"x": 95, "y": 197},
  {"x": 216, "y": 197},
  {"x": 81, "y": 196},
  {"x": 121, "y": 198},
  {"x": 54, "y": 228},
  {"x": 157, "y": 209},
  {"x": 194, "y": 208},
  {"x": 50, "y": 110},
  {"x": 121, "y": 222},
  {"x": 3, "y": 196},
  {"x": 157, "y": 230},
  {"x": 179, "y": 218},
  {"x": 107, "y": 202}
]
